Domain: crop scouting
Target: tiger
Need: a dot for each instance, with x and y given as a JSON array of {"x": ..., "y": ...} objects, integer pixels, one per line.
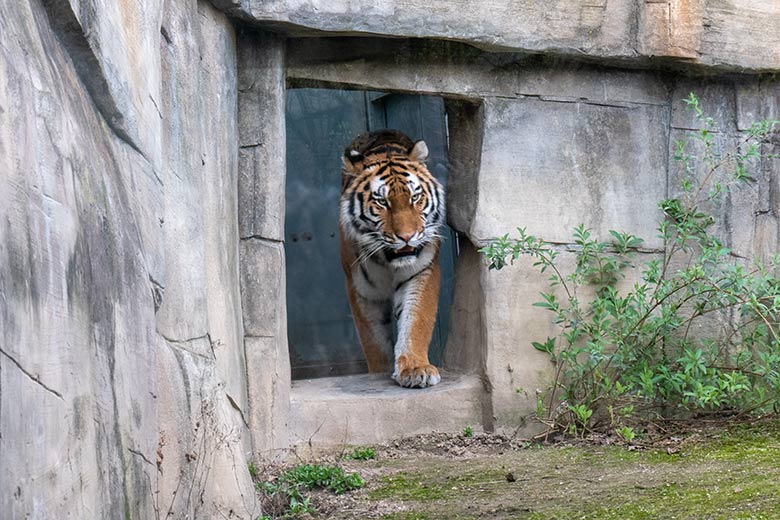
[{"x": 390, "y": 218}]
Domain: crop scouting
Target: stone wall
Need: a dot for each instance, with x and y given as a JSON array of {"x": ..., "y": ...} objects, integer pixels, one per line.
[
  {"x": 143, "y": 350},
  {"x": 728, "y": 35},
  {"x": 548, "y": 144},
  {"x": 122, "y": 374}
]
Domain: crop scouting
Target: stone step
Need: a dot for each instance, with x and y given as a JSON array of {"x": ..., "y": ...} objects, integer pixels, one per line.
[{"x": 371, "y": 408}]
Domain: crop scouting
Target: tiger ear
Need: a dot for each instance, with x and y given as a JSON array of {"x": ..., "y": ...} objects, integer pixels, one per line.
[
  {"x": 419, "y": 152},
  {"x": 350, "y": 158}
]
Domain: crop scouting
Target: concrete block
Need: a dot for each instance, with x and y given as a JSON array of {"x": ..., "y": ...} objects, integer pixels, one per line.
[
  {"x": 371, "y": 408},
  {"x": 261, "y": 195},
  {"x": 550, "y": 166},
  {"x": 261, "y": 101},
  {"x": 263, "y": 301},
  {"x": 716, "y": 99},
  {"x": 733, "y": 36},
  {"x": 444, "y": 67},
  {"x": 736, "y": 209},
  {"x": 269, "y": 379}
]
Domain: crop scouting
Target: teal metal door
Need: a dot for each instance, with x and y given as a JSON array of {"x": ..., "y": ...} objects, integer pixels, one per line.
[{"x": 320, "y": 123}]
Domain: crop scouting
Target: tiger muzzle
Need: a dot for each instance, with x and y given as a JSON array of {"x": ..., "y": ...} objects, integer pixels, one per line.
[{"x": 392, "y": 254}]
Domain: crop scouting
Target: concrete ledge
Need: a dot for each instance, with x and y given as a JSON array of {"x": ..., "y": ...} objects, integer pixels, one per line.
[{"x": 371, "y": 408}]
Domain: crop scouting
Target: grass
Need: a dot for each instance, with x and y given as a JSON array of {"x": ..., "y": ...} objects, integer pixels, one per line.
[
  {"x": 333, "y": 478},
  {"x": 734, "y": 473}
]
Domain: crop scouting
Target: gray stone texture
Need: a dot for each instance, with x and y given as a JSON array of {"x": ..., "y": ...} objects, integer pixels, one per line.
[
  {"x": 261, "y": 181},
  {"x": 120, "y": 333},
  {"x": 264, "y": 307},
  {"x": 730, "y": 35},
  {"x": 262, "y": 140},
  {"x": 371, "y": 408},
  {"x": 551, "y": 165},
  {"x": 143, "y": 344}
]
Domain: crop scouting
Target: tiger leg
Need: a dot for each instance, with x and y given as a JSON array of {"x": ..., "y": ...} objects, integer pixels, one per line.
[
  {"x": 374, "y": 328},
  {"x": 415, "y": 306}
]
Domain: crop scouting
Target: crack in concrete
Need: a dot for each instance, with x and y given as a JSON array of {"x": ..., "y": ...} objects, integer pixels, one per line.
[
  {"x": 630, "y": 105},
  {"x": 262, "y": 239},
  {"x": 183, "y": 344},
  {"x": 188, "y": 340},
  {"x": 156, "y": 107},
  {"x": 238, "y": 409},
  {"x": 31, "y": 376},
  {"x": 136, "y": 452}
]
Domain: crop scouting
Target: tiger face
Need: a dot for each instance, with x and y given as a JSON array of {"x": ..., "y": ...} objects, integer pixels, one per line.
[{"x": 391, "y": 205}]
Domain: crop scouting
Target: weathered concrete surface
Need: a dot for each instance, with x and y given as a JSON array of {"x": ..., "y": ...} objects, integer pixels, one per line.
[
  {"x": 735, "y": 35},
  {"x": 747, "y": 215},
  {"x": 371, "y": 408},
  {"x": 460, "y": 70},
  {"x": 264, "y": 307},
  {"x": 261, "y": 184},
  {"x": 117, "y": 395},
  {"x": 261, "y": 102},
  {"x": 115, "y": 48},
  {"x": 553, "y": 165}
]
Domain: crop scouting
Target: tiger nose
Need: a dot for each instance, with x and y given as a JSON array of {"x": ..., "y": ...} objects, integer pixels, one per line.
[{"x": 406, "y": 237}]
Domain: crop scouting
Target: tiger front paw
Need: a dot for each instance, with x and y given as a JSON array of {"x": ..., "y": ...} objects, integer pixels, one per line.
[{"x": 415, "y": 375}]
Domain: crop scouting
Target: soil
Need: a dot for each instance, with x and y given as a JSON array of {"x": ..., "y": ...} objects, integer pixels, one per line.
[{"x": 701, "y": 472}]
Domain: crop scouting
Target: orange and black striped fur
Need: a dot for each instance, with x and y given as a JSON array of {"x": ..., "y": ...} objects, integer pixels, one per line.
[{"x": 391, "y": 214}]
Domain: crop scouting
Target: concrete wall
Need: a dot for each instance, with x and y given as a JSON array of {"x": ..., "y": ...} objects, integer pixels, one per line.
[
  {"x": 143, "y": 351},
  {"x": 122, "y": 387},
  {"x": 548, "y": 144},
  {"x": 730, "y": 35}
]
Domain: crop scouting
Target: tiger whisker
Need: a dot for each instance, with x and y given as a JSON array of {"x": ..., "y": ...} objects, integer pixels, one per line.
[{"x": 365, "y": 254}]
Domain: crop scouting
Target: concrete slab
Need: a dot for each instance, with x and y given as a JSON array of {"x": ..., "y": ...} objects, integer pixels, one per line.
[{"x": 371, "y": 408}]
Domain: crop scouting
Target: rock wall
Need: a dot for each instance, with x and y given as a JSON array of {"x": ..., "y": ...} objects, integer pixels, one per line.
[
  {"x": 729, "y": 35},
  {"x": 143, "y": 350},
  {"x": 122, "y": 387}
]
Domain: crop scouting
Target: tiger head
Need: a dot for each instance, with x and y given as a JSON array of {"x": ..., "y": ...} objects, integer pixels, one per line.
[{"x": 390, "y": 203}]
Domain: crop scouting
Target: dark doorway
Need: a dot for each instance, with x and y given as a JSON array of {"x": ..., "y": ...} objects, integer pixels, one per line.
[{"x": 320, "y": 123}]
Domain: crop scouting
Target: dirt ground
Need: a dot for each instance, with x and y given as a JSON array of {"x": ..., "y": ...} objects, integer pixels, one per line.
[{"x": 704, "y": 473}]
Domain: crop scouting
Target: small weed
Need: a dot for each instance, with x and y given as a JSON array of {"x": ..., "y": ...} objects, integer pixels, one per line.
[
  {"x": 468, "y": 432},
  {"x": 316, "y": 476},
  {"x": 362, "y": 453},
  {"x": 626, "y": 433},
  {"x": 253, "y": 471},
  {"x": 284, "y": 497}
]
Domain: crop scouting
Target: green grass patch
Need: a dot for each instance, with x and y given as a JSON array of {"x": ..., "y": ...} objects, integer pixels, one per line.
[
  {"x": 362, "y": 453},
  {"x": 415, "y": 487},
  {"x": 316, "y": 476}
]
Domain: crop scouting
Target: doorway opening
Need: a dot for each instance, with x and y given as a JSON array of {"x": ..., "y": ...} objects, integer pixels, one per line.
[{"x": 320, "y": 123}]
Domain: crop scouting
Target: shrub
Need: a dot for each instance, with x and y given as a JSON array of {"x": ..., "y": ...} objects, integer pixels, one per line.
[{"x": 697, "y": 333}]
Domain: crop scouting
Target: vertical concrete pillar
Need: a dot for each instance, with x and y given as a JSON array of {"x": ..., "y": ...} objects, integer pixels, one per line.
[{"x": 261, "y": 181}]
